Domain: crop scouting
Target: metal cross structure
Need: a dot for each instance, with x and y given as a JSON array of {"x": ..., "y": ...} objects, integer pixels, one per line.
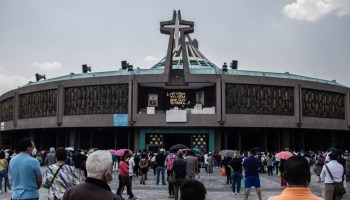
[
  {"x": 177, "y": 29},
  {"x": 176, "y": 26}
]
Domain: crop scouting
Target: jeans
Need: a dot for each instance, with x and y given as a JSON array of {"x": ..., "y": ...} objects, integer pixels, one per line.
[
  {"x": 160, "y": 170},
  {"x": 236, "y": 181},
  {"x": 3, "y": 174},
  {"x": 190, "y": 178}
]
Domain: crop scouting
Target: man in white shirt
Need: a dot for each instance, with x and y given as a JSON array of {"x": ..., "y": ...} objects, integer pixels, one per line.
[
  {"x": 131, "y": 168},
  {"x": 337, "y": 171},
  {"x": 206, "y": 162}
]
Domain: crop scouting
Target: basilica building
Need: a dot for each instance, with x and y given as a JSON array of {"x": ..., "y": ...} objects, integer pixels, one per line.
[{"x": 184, "y": 98}]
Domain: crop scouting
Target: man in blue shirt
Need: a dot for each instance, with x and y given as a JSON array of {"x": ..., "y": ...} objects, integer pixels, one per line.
[
  {"x": 25, "y": 172},
  {"x": 251, "y": 172}
]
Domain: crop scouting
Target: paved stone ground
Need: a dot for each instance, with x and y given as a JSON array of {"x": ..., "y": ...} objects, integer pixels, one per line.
[{"x": 216, "y": 187}]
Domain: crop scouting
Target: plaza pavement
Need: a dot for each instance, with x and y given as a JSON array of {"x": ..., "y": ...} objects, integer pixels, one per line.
[{"x": 215, "y": 184}]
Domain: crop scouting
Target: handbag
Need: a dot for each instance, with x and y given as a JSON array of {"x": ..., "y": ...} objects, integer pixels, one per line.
[
  {"x": 48, "y": 184},
  {"x": 339, "y": 188},
  {"x": 171, "y": 179},
  {"x": 223, "y": 171}
]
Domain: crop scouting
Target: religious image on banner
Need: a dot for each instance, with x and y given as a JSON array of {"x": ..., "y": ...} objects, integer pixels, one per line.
[{"x": 152, "y": 100}]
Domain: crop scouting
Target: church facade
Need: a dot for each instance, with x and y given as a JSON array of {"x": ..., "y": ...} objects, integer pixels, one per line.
[{"x": 184, "y": 98}]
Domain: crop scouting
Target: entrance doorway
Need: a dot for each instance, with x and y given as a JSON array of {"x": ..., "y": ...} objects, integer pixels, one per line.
[
  {"x": 166, "y": 137},
  {"x": 167, "y": 140},
  {"x": 172, "y": 139}
]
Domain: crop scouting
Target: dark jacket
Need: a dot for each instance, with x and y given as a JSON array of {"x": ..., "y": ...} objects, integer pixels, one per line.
[
  {"x": 160, "y": 159},
  {"x": 236, "y": 164},
  {"x": 92, "y": 189},
  {"x": 180, "y": 167},
  {"x": 78, "y": 159}
]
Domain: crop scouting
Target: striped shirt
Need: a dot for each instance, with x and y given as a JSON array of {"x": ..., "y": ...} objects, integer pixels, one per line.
[{"x": 65, "y": 179}]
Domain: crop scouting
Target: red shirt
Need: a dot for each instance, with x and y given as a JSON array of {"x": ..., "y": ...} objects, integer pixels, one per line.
[{"x": 123, "y": 168}]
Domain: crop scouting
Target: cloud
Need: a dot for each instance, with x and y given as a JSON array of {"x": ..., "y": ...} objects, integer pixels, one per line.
[
  {"x": 312, "y": 10},
  {"x": 48, "y": 66},
  {"x": 8, "y": 83},
  {"x": 150, "y": 59}
]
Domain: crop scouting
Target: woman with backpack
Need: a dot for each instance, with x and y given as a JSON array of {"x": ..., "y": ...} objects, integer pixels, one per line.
[{"x": 169, "y": 163}]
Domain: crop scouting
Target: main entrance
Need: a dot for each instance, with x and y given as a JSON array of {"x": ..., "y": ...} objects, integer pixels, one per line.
[
  {"x": 165, "y": 138},
  {"x": 168, "y": 140}
]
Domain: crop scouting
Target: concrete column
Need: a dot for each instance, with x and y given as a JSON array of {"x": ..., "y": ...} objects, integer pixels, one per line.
[
  {"x": 131, "y": 103},
  {"x": 142, "y": 139},
  {"x": 16, "y": 109},
  {"x": 137, "y": 139},
  {"x": 239, "y": 140},
  {"x": 298, "y": 106},
  {"x": 212, "y": 140},
  {"x": 332, "y": 139},
  {"x": 129, "y": 134},
  {"x": 217, "y": 143},
  {"x": 220, "y": 101},
  {"x": 225, "y": 140},
  {"x": 90, "y": 139},
  {"x": 71, "y": 138},
  {"x": 286, "y": 140},
  {"x": 264, "y": 139},
  {"x": 347, "y": 108}
]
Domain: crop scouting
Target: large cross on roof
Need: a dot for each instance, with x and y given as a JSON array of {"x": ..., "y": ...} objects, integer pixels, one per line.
[
  {"x": 177, "y": 29},
  {"x": 176, "y": 25}
]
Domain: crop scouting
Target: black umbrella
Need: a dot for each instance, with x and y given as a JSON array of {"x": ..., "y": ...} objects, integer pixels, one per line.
[{"x": 178, "y": 146}]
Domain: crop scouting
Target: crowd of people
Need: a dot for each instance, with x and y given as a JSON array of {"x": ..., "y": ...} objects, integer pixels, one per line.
[{"x": 86, "y": 175}]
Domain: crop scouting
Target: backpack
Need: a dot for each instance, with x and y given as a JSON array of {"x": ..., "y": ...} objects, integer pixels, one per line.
[
  {"x": 170, "y": 162},
  {"x": 180, "y": 170}
]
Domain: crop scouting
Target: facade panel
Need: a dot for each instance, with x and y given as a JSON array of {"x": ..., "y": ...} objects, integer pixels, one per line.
[
  {"x": 7, "y": 109},
  {"x": 38, "y": 104},
  {"x": 317, "y": 103},
  {"x": 259, "y": 99},
  {"x": 98, "y": 99}
]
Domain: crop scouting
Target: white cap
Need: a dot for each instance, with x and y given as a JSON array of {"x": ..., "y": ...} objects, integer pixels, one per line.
[{"x": 161, "y": 150}]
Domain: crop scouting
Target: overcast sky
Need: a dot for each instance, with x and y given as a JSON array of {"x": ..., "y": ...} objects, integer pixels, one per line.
[{"x": 304, "y": 37}]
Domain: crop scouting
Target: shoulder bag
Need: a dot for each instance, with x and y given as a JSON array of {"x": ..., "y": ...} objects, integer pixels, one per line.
[
  {"x": 339, "y": 189},
  {"x": 48, "y": 184}
]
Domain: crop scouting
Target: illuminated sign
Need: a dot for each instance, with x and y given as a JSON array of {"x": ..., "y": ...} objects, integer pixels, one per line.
[{"x": 178, "y": 98}]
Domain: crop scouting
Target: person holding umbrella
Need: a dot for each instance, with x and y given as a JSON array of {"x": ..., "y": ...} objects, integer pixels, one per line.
[{"x": 283, "y": 155}]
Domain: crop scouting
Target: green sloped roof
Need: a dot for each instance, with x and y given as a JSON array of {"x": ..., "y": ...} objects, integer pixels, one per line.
[
  {"x": 286, "y": 75},
  {"x": 193, "y": 70},
  {"x": 72, "y": 76}
]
